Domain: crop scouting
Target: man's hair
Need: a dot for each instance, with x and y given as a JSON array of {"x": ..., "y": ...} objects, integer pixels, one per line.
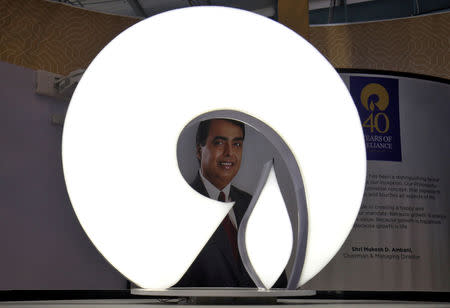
[{"x": 203, "y": 130}]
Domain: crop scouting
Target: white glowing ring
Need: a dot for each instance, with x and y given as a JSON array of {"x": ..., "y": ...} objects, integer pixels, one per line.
[{"x": 121, "y": 130}]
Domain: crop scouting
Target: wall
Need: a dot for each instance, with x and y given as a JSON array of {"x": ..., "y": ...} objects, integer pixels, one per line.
[
  {"x": 54, "y": 37},
  {"x": 415, "y": 45},
  {"x": 59, "y": 38},
  {"x": 42, "y": 243}
]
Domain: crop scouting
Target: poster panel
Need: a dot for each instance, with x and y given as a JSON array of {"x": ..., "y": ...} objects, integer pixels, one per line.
[{"x": 400, "y": 241}]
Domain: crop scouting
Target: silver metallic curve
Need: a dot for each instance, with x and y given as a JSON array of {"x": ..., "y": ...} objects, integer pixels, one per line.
[
  {"x": 298, "y": 215},
  {"x": 244, "y": 222}
]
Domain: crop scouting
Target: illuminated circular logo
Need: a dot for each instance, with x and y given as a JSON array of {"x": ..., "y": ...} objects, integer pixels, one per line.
[{"x": 171, "y": 72}]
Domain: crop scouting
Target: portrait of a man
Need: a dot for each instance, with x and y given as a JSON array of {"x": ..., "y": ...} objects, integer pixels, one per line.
[{"x": 219, "y": 149}]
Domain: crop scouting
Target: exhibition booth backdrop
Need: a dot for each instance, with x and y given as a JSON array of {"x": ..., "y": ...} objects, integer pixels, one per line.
[{"x": 400, "y": 241}]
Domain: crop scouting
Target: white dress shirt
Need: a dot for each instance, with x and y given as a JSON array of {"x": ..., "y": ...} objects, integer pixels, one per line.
[{"x": 213, "y": 193}]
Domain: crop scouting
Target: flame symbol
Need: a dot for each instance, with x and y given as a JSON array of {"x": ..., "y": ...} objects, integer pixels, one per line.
[
  {"x": 380, "y": 92},
  {"x": 265, "y": 236}
]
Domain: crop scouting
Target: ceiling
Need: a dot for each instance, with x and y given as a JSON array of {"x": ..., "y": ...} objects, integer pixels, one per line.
[
  {"x": 146, "y": 8},
  {"x": 321, "y": 11}
]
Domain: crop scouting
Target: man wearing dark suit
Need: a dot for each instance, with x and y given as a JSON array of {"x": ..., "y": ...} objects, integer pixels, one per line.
[{"x": 219, "y": 145}]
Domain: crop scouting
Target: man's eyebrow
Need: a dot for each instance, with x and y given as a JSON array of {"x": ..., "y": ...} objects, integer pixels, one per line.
[{"x": 226, "y": 138}]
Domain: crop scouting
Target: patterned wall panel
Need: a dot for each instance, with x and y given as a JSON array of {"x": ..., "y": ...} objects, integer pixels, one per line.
[
  {"x": 294, "y": 15},
  {"x": 54, "y": 37},
  {"x": 418, "y": 45},
  {"x": 60, "y": 38}
]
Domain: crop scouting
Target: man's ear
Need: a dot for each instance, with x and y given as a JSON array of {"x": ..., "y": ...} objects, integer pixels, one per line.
[{"x": 199, "y": 152}]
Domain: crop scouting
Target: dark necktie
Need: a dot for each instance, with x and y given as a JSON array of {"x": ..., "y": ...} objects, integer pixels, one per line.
[{"x": 230, "y": 230}]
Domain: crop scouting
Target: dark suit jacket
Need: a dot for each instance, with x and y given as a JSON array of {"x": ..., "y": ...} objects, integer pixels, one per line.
[{"x": 216, "y": 266}]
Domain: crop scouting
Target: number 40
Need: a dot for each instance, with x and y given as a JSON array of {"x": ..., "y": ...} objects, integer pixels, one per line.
[{"x": 373, "y": 122}]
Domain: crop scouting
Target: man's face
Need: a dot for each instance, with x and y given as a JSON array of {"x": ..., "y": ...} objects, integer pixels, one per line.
[{"x": 220, "y": 157}]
